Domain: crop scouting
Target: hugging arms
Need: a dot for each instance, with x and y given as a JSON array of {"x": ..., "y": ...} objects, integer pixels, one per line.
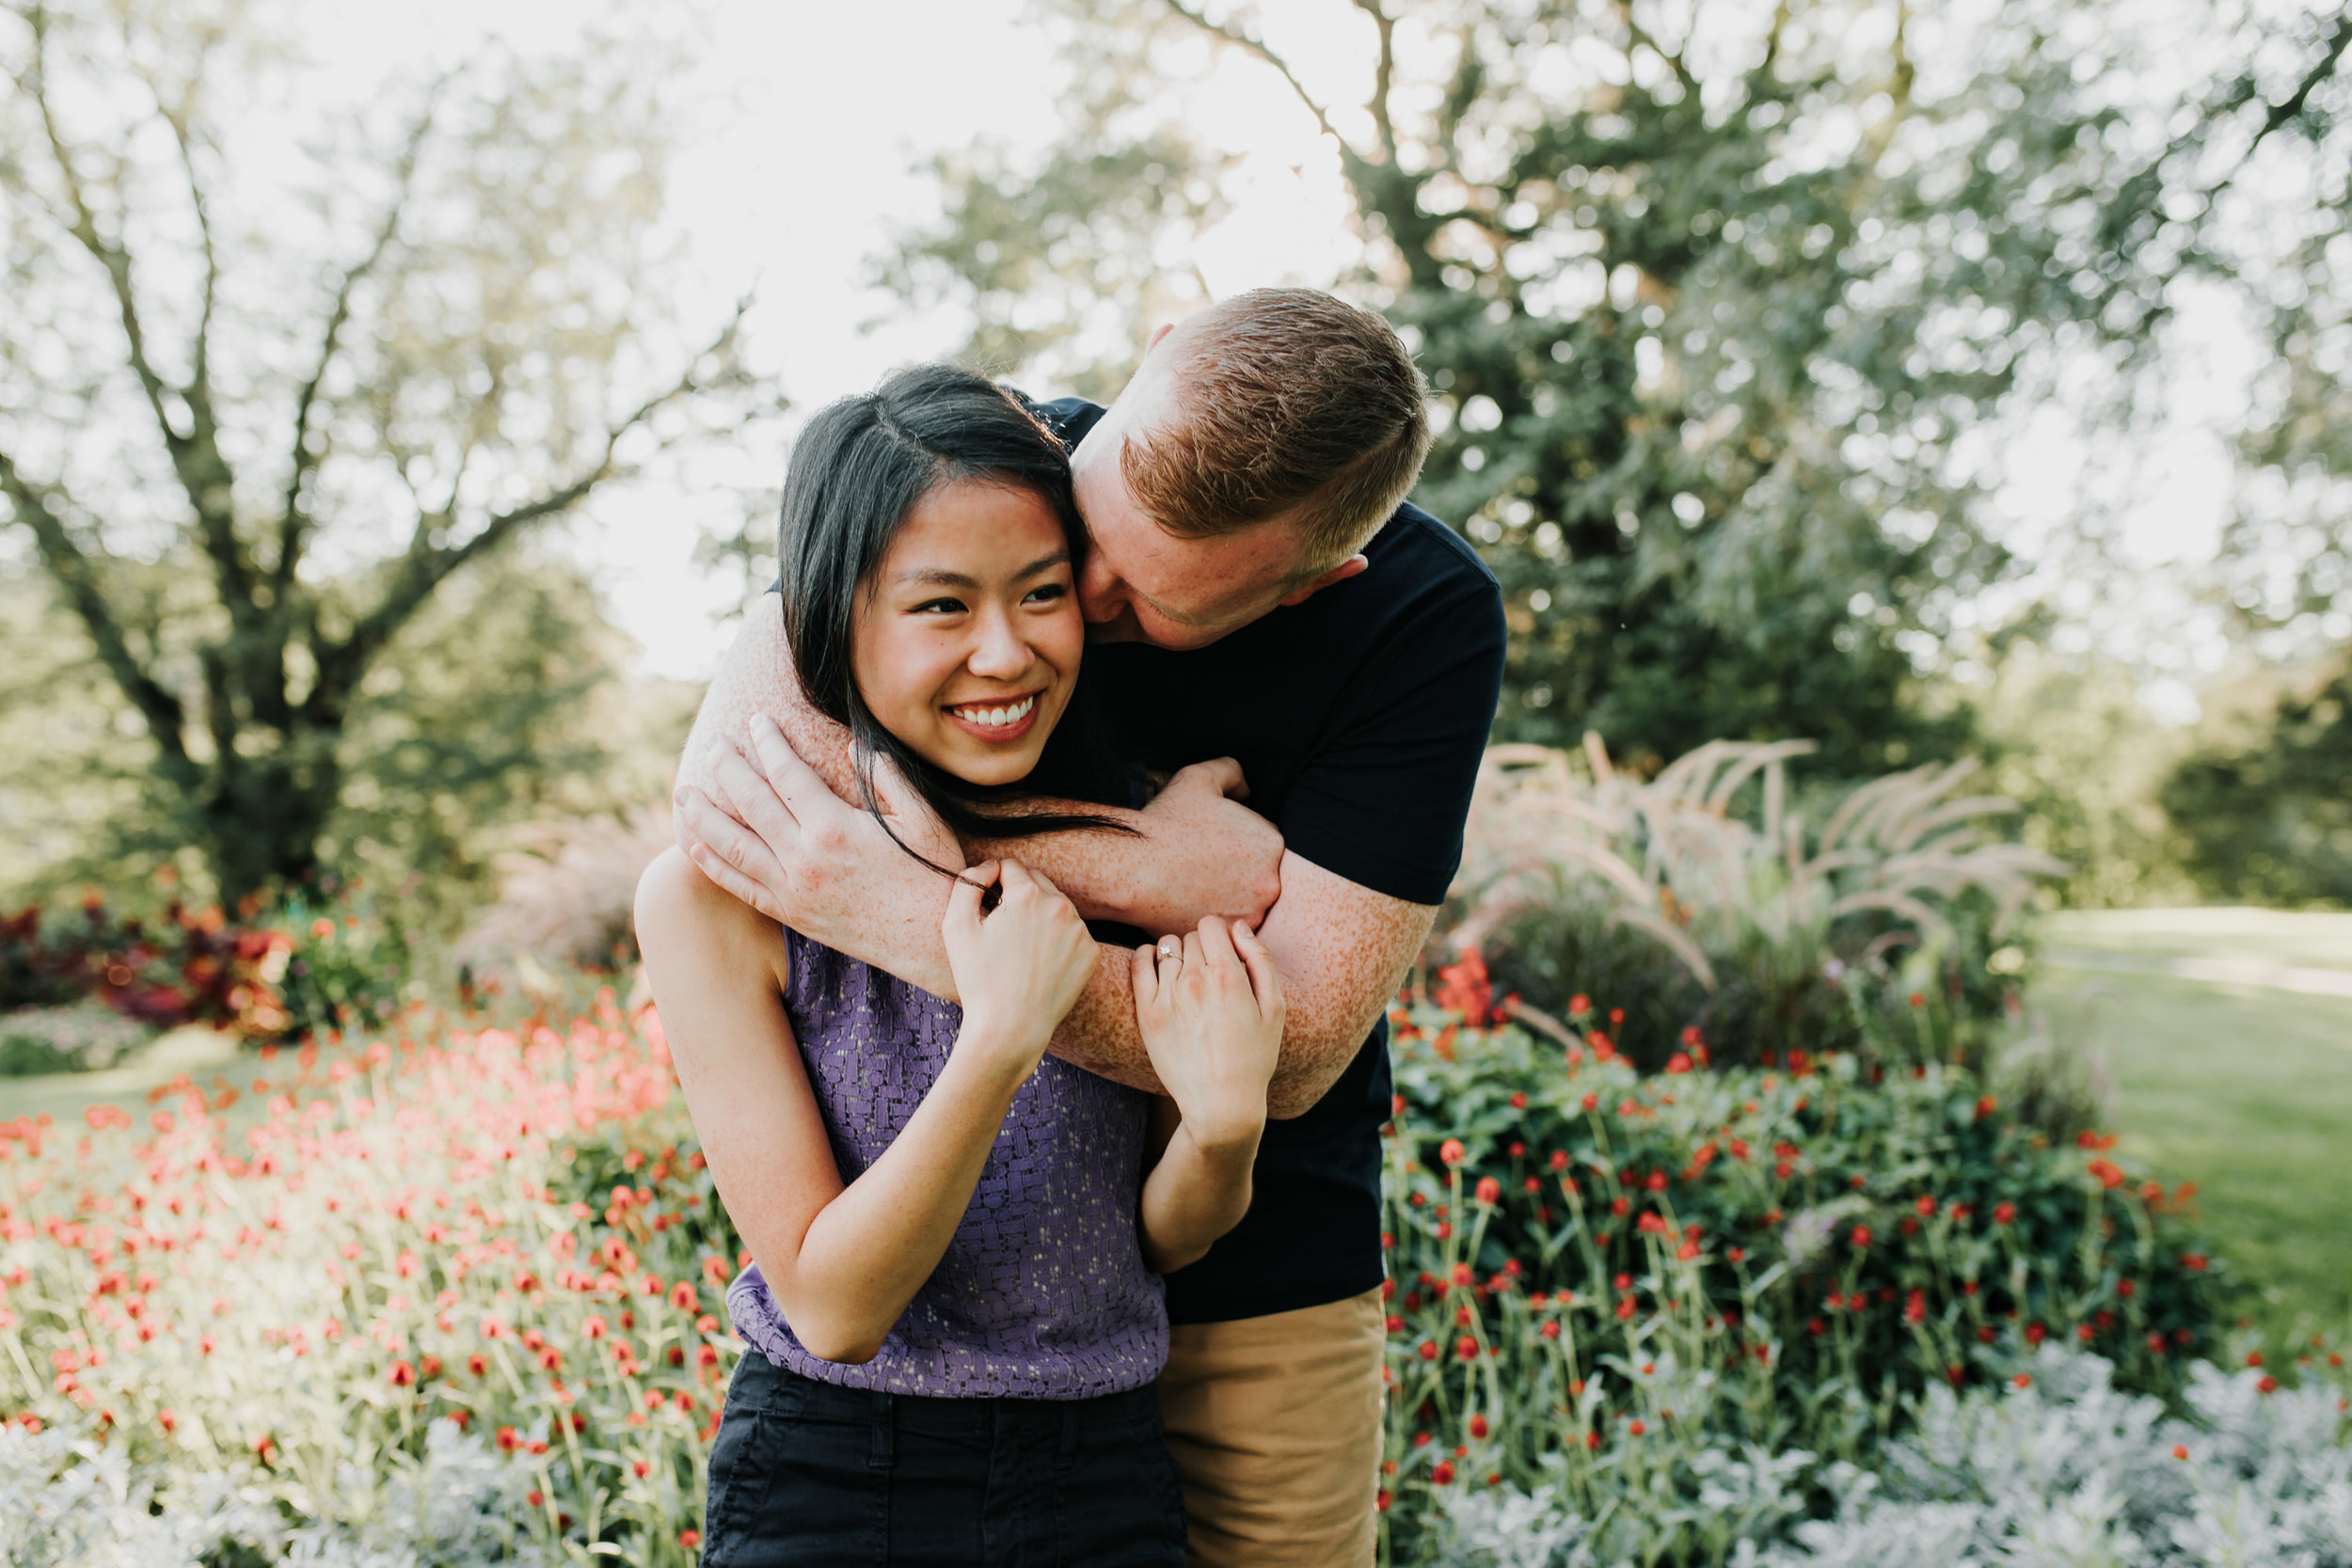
[{"x": 764, "y": 806}]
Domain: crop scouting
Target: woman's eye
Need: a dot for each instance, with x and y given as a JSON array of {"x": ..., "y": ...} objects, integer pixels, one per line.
[
  {"x": 940, "y": 606},
  {"x": 1047, "y": 594}
]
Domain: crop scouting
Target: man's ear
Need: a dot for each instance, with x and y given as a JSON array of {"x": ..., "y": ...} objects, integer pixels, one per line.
[
  {"x": 1157, "y": 333},
  {"x": 1309, "y": 588}
]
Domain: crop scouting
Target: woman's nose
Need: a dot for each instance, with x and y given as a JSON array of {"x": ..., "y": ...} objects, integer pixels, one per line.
[{"x": 1001, "y": 653}]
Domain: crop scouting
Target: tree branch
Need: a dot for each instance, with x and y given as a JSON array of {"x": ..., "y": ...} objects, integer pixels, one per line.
[
  {"x": 2281, "y": 114},
  {"x": 1250, "y": 43},
  {"x": 1641, "y": 36},
  {"x": 84, "y": 228},
  {"x": 1383, "y": 76},
  {"x": 204, "y": 475},
  {"x": 74, "y": 572},
  {"x": 179, "y": 117},
  {"x": 427, "y": 566},
  {"x": 293, "y": 520}
]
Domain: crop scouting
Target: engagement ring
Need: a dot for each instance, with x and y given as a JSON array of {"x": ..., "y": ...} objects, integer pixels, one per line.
[{"x": 1172, "y": 952}]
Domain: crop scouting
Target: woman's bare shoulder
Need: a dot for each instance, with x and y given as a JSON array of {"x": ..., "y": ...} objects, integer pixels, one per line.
[{"x": 678, "y": 905}]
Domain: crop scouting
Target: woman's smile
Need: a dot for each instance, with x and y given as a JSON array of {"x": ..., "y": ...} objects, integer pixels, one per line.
[{"x": 1001, "y": 719}]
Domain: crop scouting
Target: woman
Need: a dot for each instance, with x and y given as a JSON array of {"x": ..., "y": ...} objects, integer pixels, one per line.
[{"x": 954, "y": 1300}]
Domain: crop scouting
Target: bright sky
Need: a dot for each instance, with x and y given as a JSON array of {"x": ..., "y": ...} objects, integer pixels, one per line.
[{"x": 817, "y": 114}]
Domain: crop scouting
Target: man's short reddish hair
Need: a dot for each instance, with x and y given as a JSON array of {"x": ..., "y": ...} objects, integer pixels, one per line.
[{"x": 1289, "y": 402}]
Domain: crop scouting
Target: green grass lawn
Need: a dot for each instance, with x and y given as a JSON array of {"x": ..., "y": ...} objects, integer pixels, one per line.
[
  {"x": 2245, "y": 1092},
  {"x": 208, "y": 1059}
]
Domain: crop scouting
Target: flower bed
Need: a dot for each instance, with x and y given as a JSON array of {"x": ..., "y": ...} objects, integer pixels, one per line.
[
  {"x": 1620, "y": 1289},
  {"x": 288, "y": 1300},
  {"x": 457, "y": 1295}
]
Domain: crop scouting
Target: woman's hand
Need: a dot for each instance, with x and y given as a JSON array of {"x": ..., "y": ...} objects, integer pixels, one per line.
[
  {"x": 1212, "y": 1022},
  {"x": 1020, "y": 967}
]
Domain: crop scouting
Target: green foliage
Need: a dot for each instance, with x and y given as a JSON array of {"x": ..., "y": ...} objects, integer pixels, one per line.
[
  {"x": 251, "y": 448},
  {"x": 1869, "y": 920},
  {"x": 1598, "y": 1277},
  {"x": 2069, "y": 740},
  {"x": 507, "y": 701},
  {"x": 2270, "y": 821},
  {"x": 1714, "y": 302},
  {"x": 72, "y": 1037}
]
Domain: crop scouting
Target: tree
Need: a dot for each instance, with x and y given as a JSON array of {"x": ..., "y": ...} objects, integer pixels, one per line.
[
  {"x": 267, "y": 394},
  {"x": 1715, "y": 300},
  {"x": 2271, "y": 821}
]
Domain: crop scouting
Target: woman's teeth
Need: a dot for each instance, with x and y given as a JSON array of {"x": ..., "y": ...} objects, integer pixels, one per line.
[{"x": 997, "y": 718}]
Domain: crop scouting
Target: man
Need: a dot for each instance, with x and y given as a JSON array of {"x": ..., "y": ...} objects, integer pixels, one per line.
[{"x": 1255, "y": 590}]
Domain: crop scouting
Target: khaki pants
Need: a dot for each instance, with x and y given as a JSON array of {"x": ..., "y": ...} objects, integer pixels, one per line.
[{"x": 1275, "y": 1424}]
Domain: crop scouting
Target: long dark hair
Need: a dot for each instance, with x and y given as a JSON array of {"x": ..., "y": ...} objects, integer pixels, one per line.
[{"x": 857, "y": 469}]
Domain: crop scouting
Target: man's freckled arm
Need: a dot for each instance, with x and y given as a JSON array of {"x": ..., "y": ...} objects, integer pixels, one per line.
[
  {"x": 756, "y": 677},
  {"x": 1343, "y": 950},
  {"x": 1196, "y": 851}
]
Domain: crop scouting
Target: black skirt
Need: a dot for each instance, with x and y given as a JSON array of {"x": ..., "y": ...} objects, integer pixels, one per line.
[{"x": 805, "y": 1472}]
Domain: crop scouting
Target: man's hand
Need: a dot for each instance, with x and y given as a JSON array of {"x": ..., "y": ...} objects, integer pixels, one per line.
[
  {"x": 1214, "y": 856},
  {"x": 779, "y": 839}
]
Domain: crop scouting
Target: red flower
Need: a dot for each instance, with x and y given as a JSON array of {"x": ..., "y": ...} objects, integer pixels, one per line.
[
  {"x": 401, "y": 1375},
  {"x": 1489, "y": 1190},
  {"x": 2005, "y": 1214},
  {"x": 1450, "y": 1152},
  {"x": 1478, "y": 1426},
  {"x": 1464, "y": 988},
  {"x": 1466, "y": 1348},
  {"x": 1442, "y": 1473},
  {"x": 2180, "y": 1451},
  {"x": 689, "y": 1539},
  {"x": 1861, "y": 1236}
]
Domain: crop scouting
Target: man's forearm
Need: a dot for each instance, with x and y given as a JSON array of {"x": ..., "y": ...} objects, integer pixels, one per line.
[
  {"x": 1096, "y": 871},
  {"x": 757, "y": 678},
  {"x": 1100, "y": 1032}
]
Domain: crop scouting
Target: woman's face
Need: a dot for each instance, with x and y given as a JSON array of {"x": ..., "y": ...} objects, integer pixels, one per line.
[{"x": 968, "y": 636}]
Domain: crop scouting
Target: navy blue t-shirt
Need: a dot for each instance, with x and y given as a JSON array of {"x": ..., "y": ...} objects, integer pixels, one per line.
[{"x": 1359, "y": 718}]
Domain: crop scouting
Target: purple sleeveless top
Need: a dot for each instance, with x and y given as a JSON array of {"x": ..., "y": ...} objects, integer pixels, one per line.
[{"x": 1043, "y": 1295}]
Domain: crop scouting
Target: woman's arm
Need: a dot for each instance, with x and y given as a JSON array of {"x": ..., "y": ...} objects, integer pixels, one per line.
[
  {"x": 844, "y": 1261},
  {"x": 1212, "y": 1020}
]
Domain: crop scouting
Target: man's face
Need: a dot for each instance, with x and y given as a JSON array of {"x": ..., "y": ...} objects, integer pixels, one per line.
[{"x": 1141, "y": 583}]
